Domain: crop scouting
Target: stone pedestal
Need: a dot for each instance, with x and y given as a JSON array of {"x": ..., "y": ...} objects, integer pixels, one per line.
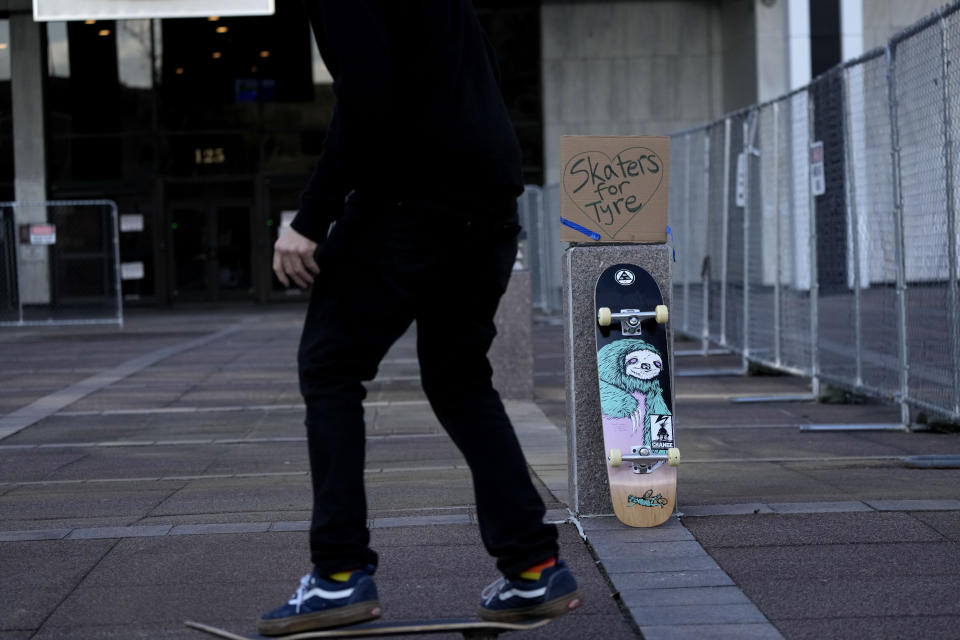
[
  {"x": 511, "y": 354},
  {"x": 582, "y": 266}
]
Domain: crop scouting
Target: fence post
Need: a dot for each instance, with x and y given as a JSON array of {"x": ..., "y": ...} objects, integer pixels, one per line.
[
  {"x": 118, "y": 277},
  {"x": 704, "y": 278},
  {"x": 849, "y": 179},
  {"x": 899, "y": 242},
  {"x": 685, "y": 323},
  {"x": 814, "y": 275},
  {"x": 725, "y": 233},
  {"x": 779, "y": 275},
  {"x": 749, "y": 130},
  {"x": 17, "y": 261},
  {"x": 953, "y": 314}
]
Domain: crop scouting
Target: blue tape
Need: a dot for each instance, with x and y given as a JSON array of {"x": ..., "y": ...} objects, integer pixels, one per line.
[
  {"x": 583, "y": 230},
  {"x": 670, "y": 236}
]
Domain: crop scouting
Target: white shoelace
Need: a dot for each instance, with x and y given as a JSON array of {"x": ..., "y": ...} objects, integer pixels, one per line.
[
  {"x": 297, "y": 598},
  {"x": 492, "y": 589}
]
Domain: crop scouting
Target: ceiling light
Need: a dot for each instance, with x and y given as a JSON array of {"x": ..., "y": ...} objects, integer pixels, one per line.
[
  {"x": 179, "y": 71},
  {"x": 89, "y": 22},
  {"x": 264, "y": 54},
  {"x": 217, "y": 55},
  {"x": 104, "y": 32},
  {"x": 213, "y": 18},
  {"x": 222, "y": 29}
]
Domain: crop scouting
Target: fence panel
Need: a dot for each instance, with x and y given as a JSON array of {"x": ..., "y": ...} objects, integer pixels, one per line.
[
  {"x": 952, "y": 106},
  {"x": 74, "y": 280},
  {"x": 873, "y": 270},
  {"x": 712, "y": 269},
  {"x": 793, "y": 205},
  {"x": 551, "y": 249},
  {"x": 679, "y": 211},
  {"x": 839, "y": 260},
  {"x": 762, "y": 291},
  {"x": 837, "y": 328},
  {"x": 733, "y": 320},
  {"x": 542, "y": 249},
  {"x": 692, "y": 238},
  {"x": 921, "y": 118}
]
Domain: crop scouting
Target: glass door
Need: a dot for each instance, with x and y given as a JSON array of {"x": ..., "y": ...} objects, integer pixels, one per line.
[
  {"x": 233, "y": 250},
  {"x": 191, "y": 246},
  {"x": 211, "y": 250}
]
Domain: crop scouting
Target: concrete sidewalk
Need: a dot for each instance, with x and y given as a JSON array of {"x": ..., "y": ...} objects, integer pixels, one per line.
[{"x": 159, "y": 473}]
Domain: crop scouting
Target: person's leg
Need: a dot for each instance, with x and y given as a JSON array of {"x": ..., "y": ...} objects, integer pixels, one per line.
[
  {"x": 342, "y": 345},
  {"x": 455, "y": 329}
]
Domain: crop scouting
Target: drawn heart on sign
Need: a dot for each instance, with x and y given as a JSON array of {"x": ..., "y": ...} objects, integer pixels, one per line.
[{"x": 611, "y": 192}]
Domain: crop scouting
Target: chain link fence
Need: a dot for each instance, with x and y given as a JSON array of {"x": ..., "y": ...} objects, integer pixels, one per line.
[
  {"x": 59, "y": 263},
  {"x": 543, "y": 251},
  {"x": 817, "y": 233}
]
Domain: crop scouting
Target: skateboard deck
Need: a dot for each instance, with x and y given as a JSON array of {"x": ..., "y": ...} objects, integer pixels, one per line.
[
  {"x": 469, "y": 627},
  {"x": 633, "y": 366}
]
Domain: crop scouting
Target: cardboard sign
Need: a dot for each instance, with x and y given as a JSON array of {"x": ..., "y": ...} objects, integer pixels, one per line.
[{"x": 614, "y": 189}]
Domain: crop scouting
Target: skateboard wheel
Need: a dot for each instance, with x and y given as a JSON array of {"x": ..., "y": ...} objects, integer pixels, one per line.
[
  {"x": 604, "y": 316},
  {"x": 662, "y": 314},
  {"x": 616, "y": 459},
  {"x": 673, "y": 456}
]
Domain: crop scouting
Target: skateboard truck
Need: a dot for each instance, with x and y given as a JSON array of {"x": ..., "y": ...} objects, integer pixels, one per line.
[
  {"x": 644, "y": 460},
  {"x": 631, "y": 319}
]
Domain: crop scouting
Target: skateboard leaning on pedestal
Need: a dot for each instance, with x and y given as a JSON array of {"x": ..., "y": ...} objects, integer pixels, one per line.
[
  {"x": 473, "y": 628},
  {"x": 633, "y": 366}
]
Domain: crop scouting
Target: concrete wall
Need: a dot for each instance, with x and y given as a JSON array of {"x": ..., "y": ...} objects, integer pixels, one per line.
[
  {"x": 771, "y": 52},
  {"x": 882, "y": 19},
  {"x": 739, "y": 53},
  {"x": 628, "y": 68}
]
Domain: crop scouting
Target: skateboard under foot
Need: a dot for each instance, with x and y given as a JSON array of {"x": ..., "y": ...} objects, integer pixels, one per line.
[{"x": 472, "y": 628}]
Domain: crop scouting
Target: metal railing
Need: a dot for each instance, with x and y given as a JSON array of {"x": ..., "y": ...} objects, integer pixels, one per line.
[
  {"x": 71, "y": 276},
  {"x": 817, "y": 233}
]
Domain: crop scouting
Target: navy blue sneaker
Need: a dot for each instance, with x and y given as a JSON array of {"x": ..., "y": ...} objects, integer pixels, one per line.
[
  {"x": 320, "y": 603},
  {"x": 553, "y": 595}
]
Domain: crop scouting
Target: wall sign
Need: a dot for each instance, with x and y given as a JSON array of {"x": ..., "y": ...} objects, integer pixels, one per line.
[
  {"x": 818, "y": 182},
  {"x": 131, "y": 222},
  {"x": 55, "y": 10},
  {"x": 38, "y": 234}
]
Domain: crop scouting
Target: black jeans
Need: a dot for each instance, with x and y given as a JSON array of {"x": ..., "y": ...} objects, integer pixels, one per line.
[{"x": 385, "y": 265}]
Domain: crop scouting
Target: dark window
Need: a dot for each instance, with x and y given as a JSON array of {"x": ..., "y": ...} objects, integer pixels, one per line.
[
  {"x": 824, "y": 35},
  {"x": 100, "y": 100},
  {"x": 220, "y": 73},
  {"x": 514, "y": 32}
]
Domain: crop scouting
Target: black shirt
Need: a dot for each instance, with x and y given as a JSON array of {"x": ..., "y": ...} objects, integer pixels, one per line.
[{"x": 419, "y": 113}]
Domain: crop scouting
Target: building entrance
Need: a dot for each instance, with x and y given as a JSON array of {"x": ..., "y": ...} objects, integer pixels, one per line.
[{"x": 211, "y": 250}]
